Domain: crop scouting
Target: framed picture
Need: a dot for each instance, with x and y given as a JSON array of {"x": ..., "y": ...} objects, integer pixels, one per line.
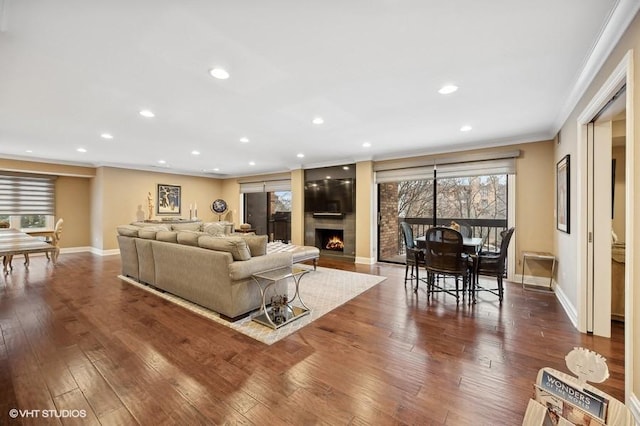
[
  {"x": 169, "y": 199},
  {"x": 563, "y": 211}
]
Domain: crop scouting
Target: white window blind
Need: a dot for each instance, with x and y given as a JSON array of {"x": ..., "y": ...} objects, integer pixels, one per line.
[
  {"x": 472, "y": 165},
  {"x": 397, "y": 175},
  {"x": 27, "y": 194},
  {"x": 266, "y": 186},
  {"x": 504, "y": 166}
]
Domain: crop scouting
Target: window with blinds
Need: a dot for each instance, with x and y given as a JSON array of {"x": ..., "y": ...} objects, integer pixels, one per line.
[{"x": 22, "y": 194}]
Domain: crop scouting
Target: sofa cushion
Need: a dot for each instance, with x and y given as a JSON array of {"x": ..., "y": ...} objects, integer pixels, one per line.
[
  {"x": 234, "y": 245},
  {"x": 195, "y": 226},
  {"x": 189, "y": 238},
  {"x": 142, "y": 224},
  {"x": 168, "y": 236},
  {"x": 257, "y": 244},
  {"x": 214, "y": 229},
  {"x": 128, "y": 230},
  {"x": 149, "y": 232}
]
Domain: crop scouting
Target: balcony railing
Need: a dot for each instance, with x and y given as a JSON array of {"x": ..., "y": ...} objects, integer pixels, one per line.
[{"x": 488, "y": 229}]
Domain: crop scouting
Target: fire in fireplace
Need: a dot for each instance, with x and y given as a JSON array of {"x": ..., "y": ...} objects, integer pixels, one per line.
[
  {"x": 330, "y": 239},
  {"x": 335, "y": 243}
]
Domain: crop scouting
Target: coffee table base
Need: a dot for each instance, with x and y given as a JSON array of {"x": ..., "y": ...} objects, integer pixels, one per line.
[{"x": 290, "y": 314}]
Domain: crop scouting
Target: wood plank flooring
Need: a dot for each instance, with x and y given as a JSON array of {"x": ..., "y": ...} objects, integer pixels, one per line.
[{"x": 75, "y": 337}]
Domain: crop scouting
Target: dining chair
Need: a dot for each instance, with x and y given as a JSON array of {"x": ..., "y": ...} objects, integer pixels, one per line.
[
  {"x": 414, "y": 257},
  {"x": 492, "y": 263},
  {"x": 444, "y": 256},
  {"x": 53, "y": 240}
]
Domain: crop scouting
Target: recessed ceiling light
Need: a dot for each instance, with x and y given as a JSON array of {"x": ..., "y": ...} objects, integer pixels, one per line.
[
  {"x": 465, "y": 128},
  {"x": 81, "y": 150},
  {"x": 219, "y": 73},
  {"x": 215, "y": 169},
  {"x": 252, "y": 163},
  {"x": 106, "y": 136},
  {"x": 318, "y": 120},
  {"x": 244, "y": 139},
  {"x": 146, "y": 113},
  {"x": 162, "y": 162},
  {"x": 366, "y": 144},
  {"x": 345, "y": 167},
  {"x": 328, "y": 177},
  {"x": 194, "y": 152},
  {"x": 301, "y": 155},
  {"x": 445, "y": 90},
  {"x": 29, "y": 150}
]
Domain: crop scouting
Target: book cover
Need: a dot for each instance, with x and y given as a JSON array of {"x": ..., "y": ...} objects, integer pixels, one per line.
[
  {"x": 558, "y": 408},
  {"x": 584, "y": 400}
]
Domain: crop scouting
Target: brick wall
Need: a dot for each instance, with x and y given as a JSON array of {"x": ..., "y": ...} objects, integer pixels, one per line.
[{"x": 389, "y": 225}]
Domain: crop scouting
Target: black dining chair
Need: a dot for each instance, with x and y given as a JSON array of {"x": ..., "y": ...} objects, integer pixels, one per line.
[
  {"x": 444, "y": 256},
  {"x": 492, "y": 264},
  {"x": 414, "y": 257}
]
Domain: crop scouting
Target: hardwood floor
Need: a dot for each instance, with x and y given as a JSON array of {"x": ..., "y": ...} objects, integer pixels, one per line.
[{"x": 75, "y": 337}]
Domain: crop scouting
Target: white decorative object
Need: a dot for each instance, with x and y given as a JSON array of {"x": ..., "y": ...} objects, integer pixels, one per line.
[{"x": 589, "y": 366}]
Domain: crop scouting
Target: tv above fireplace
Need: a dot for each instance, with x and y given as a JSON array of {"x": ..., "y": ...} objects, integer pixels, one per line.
[{"x": 329, "y": 196}]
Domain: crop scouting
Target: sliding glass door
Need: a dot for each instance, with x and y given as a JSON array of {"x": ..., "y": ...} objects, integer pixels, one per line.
[
  {"x": 269, "y": 213},
  {"x": 479, "y": 203}
]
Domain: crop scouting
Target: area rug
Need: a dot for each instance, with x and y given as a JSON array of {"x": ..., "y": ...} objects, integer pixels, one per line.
[{"x": 322, "y": 290}]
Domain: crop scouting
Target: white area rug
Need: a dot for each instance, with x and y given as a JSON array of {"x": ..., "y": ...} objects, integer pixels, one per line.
[{"x": 322, "y": 290}]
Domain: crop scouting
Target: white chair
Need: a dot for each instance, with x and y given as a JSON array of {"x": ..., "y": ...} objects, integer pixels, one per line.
[{"x": 53, "y": 240}]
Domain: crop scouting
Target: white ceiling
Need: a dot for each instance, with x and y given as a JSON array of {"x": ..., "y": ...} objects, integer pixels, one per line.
[{"x": 73, "y": 69}]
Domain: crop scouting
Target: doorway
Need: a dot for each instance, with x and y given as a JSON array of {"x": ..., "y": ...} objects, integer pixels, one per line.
[{"x": 594, "y": 295}]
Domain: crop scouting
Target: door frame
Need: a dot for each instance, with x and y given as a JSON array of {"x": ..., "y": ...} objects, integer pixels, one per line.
[{"x": 622, "y": 74}]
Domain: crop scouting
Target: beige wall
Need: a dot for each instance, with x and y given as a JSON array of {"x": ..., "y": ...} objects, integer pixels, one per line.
[
  {"x": 45, "y": 168},
  {"x": 124, "y": 196},
  {"x": 297, "y": 207},
  {"x": 364, "y": 210},
  {"x": 73, "y": 204},
  {"x": 568, "y": 245},
  {"x": 535, "y": 204}
]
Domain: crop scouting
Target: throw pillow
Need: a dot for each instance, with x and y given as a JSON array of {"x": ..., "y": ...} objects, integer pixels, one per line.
[
  {"x": 149, "y": 232},
  {"x": 214, "y": 229},
  {"x": 257, "y": 244},
  {"x": 189, "y": 238},
  {"x": 128, "y": 230},
  {"x": 234, "y": 245},
  {"x": 186, "y": 226},
  {"x": 167, "y": 236}
]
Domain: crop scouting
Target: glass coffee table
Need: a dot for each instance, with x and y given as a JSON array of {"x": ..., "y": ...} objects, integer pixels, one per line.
[{"x": 281, "y": 312}]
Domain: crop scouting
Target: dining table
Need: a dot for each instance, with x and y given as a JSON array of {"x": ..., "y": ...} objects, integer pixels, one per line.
[
  {"x": 14, "y": 242},
  {"x": 472, "y": 245}
]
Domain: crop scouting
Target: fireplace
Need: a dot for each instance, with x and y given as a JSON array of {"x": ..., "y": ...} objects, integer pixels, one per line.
[{"x": 330, "y": 240}]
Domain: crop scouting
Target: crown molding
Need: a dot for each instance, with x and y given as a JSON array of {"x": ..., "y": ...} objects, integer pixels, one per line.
[{"x": 618, "y": 22}]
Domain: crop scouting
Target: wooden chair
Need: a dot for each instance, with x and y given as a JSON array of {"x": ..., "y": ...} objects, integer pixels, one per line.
[
  {"x": 445, "y": 256},
  {"x": 414, "y": 257},
  {"x": 492, "y": 264},
  {"x": 53, "y": 240}
]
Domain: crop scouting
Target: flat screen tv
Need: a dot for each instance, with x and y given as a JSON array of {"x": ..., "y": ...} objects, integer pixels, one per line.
[{"x": 329, "y": 196}]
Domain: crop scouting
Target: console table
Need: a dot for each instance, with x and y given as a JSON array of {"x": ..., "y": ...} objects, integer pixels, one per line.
[
  {"x": 539, "y": 255},
  {"x": 170, "y": 221},
  {"x": 278, "y": 316}
]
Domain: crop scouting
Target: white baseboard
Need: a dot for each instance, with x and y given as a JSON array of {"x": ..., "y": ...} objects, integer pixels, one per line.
[
  {"x": 82, "y": 250},
  {"x": 568, "y": 307},
  {"x": 365, "y": 260},
  {"x": 634, "y": 407},
  {"x": 543, "y": 282},
  {"x": 100, "y": 252},
  {"x": 532, "y": 280}
]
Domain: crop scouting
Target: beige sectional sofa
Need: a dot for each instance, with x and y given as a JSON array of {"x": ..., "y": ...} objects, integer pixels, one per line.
[
  {"x": 205, "y": 267},
  {"x": 212, "y": 271}
]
